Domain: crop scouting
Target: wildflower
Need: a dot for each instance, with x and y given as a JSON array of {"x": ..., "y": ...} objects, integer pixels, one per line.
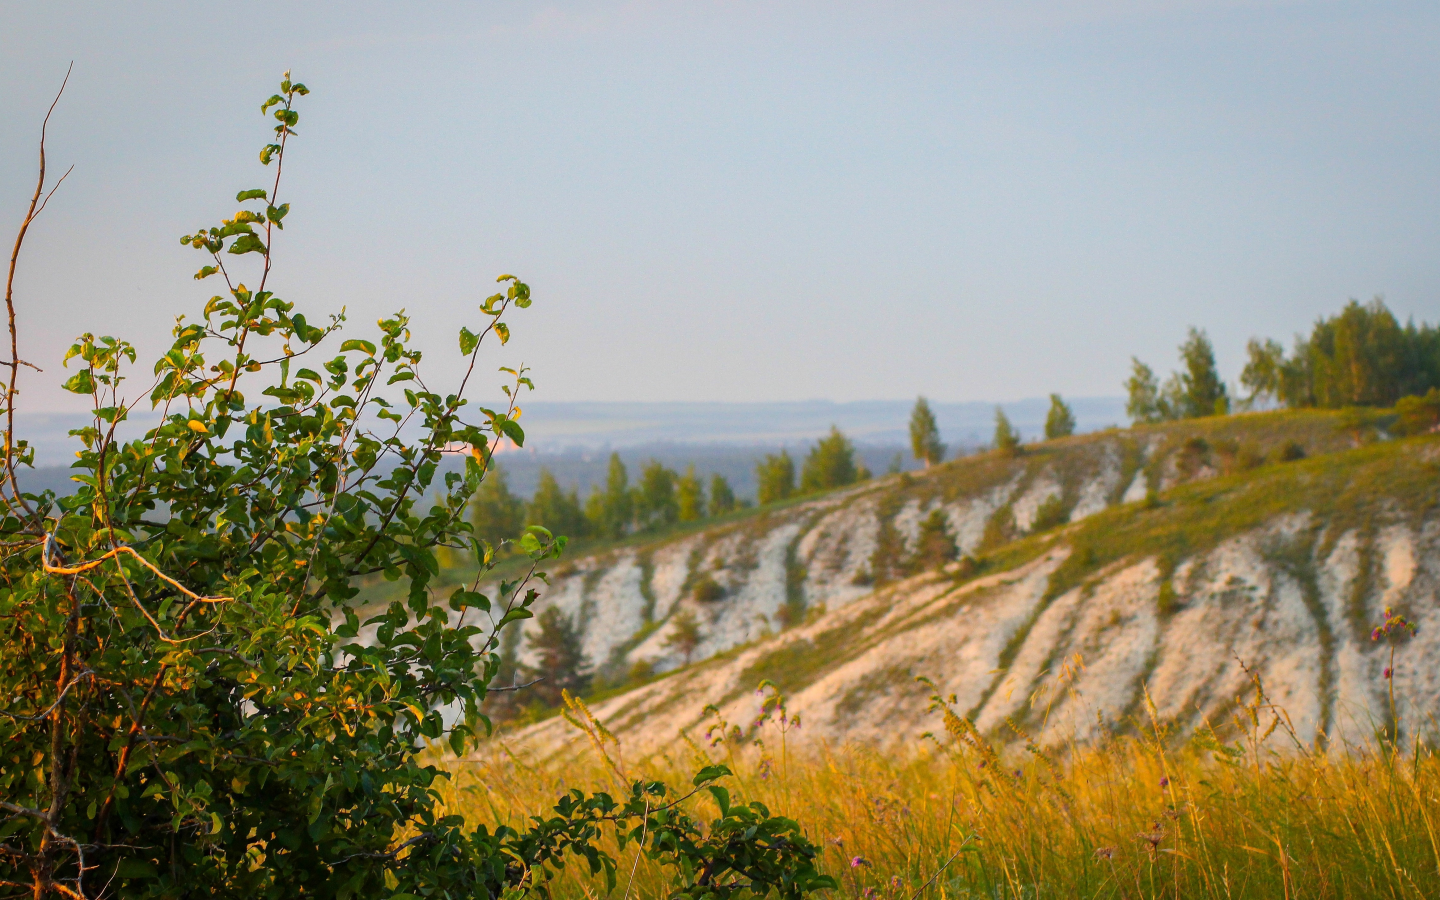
[
  {"x": 1104, "y": 852},
  {"x": 896, "y": 883},
  {"x": 858, "y": 861},
  {"x": 870, "y": 893},
  {"x": 1394, "y": 625},
  {"x": 1164, "y": 781},
  {"x": 1388, "y": 672}
]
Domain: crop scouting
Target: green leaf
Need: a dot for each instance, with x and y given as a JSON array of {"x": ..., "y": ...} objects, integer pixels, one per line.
[
  {"x": 514, "y": 615},
  {"x": 354, "y": 344},
  {"x": 81, "y": 382},
  {"x": 468, "y": 342},
  {"x": 247, "y": 243},
  {"x": 511, "y": 429},
  {"x": 252, "y": 194},
  {"x": 722, "y": 798},
  {"x": 709, "y": 774},
  {"x": 504, "y": 331}
]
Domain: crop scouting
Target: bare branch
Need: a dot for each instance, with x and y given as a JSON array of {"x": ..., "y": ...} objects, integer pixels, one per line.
[{"x": 14, "y": 363}]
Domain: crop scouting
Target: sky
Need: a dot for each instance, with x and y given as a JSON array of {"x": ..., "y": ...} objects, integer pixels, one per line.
[{"x": 744, "y": 201}]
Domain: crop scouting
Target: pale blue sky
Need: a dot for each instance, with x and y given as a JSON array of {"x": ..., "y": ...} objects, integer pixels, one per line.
[{"x": 750, "y": 201}]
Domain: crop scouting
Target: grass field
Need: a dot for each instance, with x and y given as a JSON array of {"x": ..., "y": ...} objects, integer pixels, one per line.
[{"x": 1237, "y": 810}]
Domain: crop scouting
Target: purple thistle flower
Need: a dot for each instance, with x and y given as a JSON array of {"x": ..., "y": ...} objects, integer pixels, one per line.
[
  {"x": 858, "y": 861},
  {"x": 1164, "y": 781},
  {"x": 1388, "y": 672}
]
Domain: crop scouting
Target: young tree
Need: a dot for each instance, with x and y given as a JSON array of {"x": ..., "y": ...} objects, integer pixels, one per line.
[
  {"x": 1202, "y": 390},
  {"x": 1060, "y": 420},
  {"x": 189, "y": 707},
  {"x": 829, "y": 464},
  {"x": 722, "y": 496},
  {"x": 776, "y": 477},
  {"x": 1264, "y": 362},
  {"x": 1007, "y": 439},
  {"x": 1143, "y": 391},
  {"x": 556, "y": 509},
  {"x": 656, "y": 505},
  {"x": 684, "y": 634},
  {"x": 690, "y": 496},
  {"x": 925, "y": 435},
  {"x": 558, "y": 647},
  {"x": 496, "y": 514},
  {"x": 935, "y": 545},
  {"x": 611, "y": 510}
]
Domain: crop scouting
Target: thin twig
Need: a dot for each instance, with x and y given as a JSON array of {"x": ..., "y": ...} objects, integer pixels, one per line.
[
  {"x": 14, "y": 362},
  {"x": 941, "y": 869},
  {"x": 87, "y": 566}
]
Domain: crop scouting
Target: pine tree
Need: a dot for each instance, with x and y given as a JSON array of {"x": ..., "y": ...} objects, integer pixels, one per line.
[
  {"x": 684, "y": 634},
  {"x": 829, "y": 464},
  {"x": 497, "y": 514},
  {"x": 935, "y": 545},
  {"x": 925, "y": 434},
  {"x": 559, "y": 658},
  {"x": 1007, "y": 439},
  {"x": 554, "y": 508},
  {"x": 611, "y": 509},
  {"x": 690, "y": 496},
  {"x": 655, "y": 501},
  {"x": 722, "y": 496},
  {"x": 1202, "y": 390},
  {"x": 1060, "y": 421},
  {"x": 775, "y": 475}
]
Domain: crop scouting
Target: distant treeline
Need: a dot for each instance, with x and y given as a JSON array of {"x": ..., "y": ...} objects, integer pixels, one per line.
[
  {"x": 1360, "y": 357},
  {"x": 661, "y": 498}
]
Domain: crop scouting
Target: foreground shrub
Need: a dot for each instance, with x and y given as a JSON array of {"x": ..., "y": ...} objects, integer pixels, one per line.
[{"x": 189, "y": 708}]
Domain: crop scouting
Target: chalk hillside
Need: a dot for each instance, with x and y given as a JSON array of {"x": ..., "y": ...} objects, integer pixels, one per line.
[{"x": 1170, "y": 561}]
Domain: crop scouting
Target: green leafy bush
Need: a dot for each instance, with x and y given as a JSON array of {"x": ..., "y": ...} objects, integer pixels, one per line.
[{"x": 190, "y": 707}]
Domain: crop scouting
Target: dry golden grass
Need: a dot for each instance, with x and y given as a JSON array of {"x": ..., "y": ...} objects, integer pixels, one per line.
[{"x": 1234, "y": 812}]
